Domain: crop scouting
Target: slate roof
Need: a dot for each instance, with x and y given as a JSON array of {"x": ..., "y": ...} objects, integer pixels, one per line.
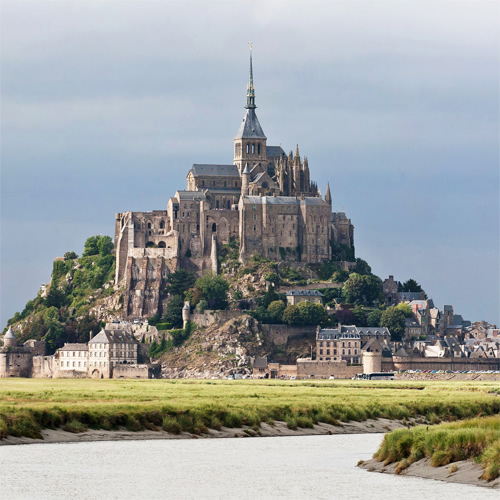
[
  {"x": 214, "y": 170},
  {"x": 334, "y": 334},
  {"x": 250, "y": 127},
  {"x": 306, "y": 293},
  {"x": 113, "y": 337},
  {"x": 74, "y": 347},
  {"x": 260, "y": 363},
  {"x": 9, "y": 334},
  {"x": 370, "y": 330},
  {"x": 274, "y": 151},
  {"x": 447, "y": 308},
  {"x": 409, "y": 296},
  {"x": 282, "y": 200},
  {"x": 190, "y": 195}
]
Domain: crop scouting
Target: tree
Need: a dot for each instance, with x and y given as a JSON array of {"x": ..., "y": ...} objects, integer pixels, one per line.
[
  {"x": 411, "y": 286},
  {"x": 362, "y": 267},
  {"x": 70, "y": 256},
  {"x": 214, "y": 290},
  {"x": 394, "y": 319},
  {"x": 406, "y": 309},
  {"x": 179, "y": 282},
  {"x": 55, "y": 298},
  {"x": 105, "y": 246},
  {"x": 374, "y": 317},
  {"x": 173, "y": 314},
  {"x": 90, "y": 247},
  {"x": 362, "y": 288},
  {"x": 306, "y": 313},
  {"x": 359, "y": 317},
  {"x": 345, "y": 316},
  {"x": 270, "y": 296},
  {"x": 275, "y": 311}
]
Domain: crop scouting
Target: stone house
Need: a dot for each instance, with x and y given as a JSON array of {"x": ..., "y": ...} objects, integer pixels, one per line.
[
  {"x": 390, "y": 291},
  {"x": 338, "y": 344},
  {"x": 73, "y": 360},
  {"x": 108, "y": 349},
  {"x": 293, "y": 297}
]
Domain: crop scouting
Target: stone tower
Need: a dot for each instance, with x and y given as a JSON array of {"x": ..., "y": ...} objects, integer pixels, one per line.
[
  {"x": 9, "y": 339},
  {"x": 186, "y": 314},
  {"x": 250, "y": 141}
]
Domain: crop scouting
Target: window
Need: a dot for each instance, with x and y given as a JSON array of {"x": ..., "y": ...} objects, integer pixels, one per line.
[
  {"x": 321, "y": 351},
  {"x": 203, "y": 183},
  {"x": 162, "y": 225},
  {"x": 254, "y": 207},
  {"x": 248, "y": 148},
  {"x": 149, "y": 225},
  {"x": 253, "y": 149},
  {"x": 255, "y": 217},
  {"x": 328, "y": 352},
  {"x": 343, "y": 351}
]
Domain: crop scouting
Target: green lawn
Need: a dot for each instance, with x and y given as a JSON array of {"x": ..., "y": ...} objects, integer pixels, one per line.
[{"x": 27, "y": 405}]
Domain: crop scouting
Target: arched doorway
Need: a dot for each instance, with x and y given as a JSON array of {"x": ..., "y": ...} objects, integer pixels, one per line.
[
  {"x": 162, "y": 244},
  {"x": 96, "y": 374}
]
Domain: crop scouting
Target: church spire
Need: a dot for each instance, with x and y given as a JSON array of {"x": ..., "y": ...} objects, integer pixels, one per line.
[
  {"x": 328, "y": 195},
  {"x": 250, "y": 87}
]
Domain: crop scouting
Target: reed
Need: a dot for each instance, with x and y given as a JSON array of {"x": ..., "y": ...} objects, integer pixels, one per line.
[
  {"x": 475, "y": 439},
  {"x": 29, "y": 405}
]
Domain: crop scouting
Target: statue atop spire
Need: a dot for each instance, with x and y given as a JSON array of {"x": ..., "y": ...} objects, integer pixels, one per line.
[{"x": 250, "y": 87}]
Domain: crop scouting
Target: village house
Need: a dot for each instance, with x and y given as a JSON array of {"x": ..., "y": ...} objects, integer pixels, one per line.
[{"x": 293, "y": 297}]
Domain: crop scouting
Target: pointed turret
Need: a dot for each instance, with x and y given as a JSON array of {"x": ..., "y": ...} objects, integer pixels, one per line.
[{"x": 328, "y": 195}]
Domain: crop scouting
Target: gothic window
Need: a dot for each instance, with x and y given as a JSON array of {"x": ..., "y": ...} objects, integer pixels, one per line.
[
  {"x": 258, "y": 148},
  {"x": 216, "y": 203},
  {"x": 248, "y": 148},
  {"x": 149, "y": 225},
  {"x": 253, "y": 149},
  {"x": 235, "y": 184},
  {"x": 203, "y": 183},
  {"x": 225, "y": 183},
  {"x": 162, "y": 225},
  {"x": 255, "y": 228},
  {"x": 228, "y": 204},
  {"x": 214, "y": 227},
  {"x": 265, "y": 185}
]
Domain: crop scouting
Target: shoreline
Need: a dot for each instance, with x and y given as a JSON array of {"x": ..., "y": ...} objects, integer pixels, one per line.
[
  {"x": 463, "y": 472},
  {"x": 53, "y": 436}
]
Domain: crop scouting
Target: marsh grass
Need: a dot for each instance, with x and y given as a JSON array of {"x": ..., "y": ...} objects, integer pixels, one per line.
[
  {"x": 473, "y": 439},
  {"x": 29, "y": 405}
]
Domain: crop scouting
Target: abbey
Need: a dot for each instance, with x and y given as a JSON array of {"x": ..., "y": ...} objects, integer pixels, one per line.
[{"x": 264, "y": 199}]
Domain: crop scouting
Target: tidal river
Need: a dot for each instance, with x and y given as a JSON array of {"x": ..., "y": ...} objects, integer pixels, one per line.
[{"x": 316, "y": 467}]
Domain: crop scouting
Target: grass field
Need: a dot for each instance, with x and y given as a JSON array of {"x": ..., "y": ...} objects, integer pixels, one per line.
[
  {"x": 477, "y": 439},
  {"x": 28, "y": 405}
]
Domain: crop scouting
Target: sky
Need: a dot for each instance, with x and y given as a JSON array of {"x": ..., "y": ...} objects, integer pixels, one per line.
[{"x": 105, "y": 105}]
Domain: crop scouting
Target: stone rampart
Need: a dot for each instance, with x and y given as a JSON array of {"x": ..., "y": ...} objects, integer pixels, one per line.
[
  {"x": 454, "y": 364},
  {"x": 137, "y": 371},
  {"x": 325, "y": 369}
]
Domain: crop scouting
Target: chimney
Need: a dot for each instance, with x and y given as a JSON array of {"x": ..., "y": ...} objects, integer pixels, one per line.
[{"x": 91, "y": 334}]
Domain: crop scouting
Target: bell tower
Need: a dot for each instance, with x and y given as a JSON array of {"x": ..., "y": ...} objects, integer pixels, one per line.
[{"x": 250, "y": 141}]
